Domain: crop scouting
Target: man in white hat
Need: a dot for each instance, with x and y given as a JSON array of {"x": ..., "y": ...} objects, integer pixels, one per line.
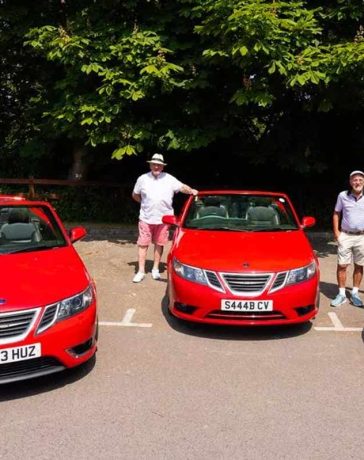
[
  {"x": 154, "y": 191},
  {"x": 349, "y": 209}
]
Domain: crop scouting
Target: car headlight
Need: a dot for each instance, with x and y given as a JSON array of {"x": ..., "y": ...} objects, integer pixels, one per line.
[
  {"x": 75, "y": 304},
  {"x": 189, "y": 273},
  {"x": 301, "y": 274}
]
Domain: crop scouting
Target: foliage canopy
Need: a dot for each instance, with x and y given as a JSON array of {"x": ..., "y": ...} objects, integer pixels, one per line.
[{"x": 266, "y": 76}]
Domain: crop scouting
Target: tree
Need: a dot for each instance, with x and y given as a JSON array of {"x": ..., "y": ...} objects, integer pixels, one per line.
[{"x": 267, "y": 76}]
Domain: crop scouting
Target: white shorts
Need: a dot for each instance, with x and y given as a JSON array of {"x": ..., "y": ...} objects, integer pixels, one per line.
[{"x": 350, "y": 248}]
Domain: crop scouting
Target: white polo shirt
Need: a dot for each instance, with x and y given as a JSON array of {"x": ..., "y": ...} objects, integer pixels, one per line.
[{"x": 157, "y": 196}]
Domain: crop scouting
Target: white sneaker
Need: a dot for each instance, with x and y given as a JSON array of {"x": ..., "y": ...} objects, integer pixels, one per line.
[
  {"x": 155, "y": 274},
  {"x": 138, "y": 277}
]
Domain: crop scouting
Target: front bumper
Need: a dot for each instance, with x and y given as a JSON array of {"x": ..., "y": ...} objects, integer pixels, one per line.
[
  {"x": 199, "y": 303},
  {"x": 66, "y": 344}
]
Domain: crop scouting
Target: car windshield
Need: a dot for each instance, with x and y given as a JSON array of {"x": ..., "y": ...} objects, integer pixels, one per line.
[
  {"x": 240, "y": 212},
  {"x": 28, "y": 228}
]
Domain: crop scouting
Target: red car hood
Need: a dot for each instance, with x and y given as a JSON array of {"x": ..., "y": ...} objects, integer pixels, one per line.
[
  {"x": 264, "y": 251},
  {"x": 38, "y": 278}
]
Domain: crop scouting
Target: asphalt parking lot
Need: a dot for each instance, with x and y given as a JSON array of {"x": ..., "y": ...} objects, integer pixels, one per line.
[{"x": 159, "y": 388}]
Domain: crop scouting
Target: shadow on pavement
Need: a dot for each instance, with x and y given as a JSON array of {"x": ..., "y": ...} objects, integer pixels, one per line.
[
  {"x": 31, "y": 387},
  {"x": 329, "y": 290},
  {"x": 209, "y": 331},
  {"x": 148, "y": 266},
  {"x": 323, "y": 247}
]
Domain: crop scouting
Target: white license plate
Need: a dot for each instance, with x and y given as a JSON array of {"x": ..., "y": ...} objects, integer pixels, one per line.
[
  {"x": 10, "y": 355},
  {"x": 246, "y": 305}
]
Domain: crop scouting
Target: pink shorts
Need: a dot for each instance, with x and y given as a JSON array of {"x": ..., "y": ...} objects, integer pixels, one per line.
[{"x": 152, "y": 233}]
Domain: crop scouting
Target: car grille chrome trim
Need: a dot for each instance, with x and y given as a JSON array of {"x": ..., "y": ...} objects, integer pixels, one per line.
[
  {"x": 279, "y": 281},
  {"x": 249, "y": 284},
  {"x": 49, "y": 318},
  {"x": 214, "y": 281},
  {"x": 16, "y": 325}
]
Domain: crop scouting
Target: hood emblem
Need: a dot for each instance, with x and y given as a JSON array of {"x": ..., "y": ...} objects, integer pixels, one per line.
[
  {"x": 2, "y": 301},
  {"x": 246, "y": 264}
]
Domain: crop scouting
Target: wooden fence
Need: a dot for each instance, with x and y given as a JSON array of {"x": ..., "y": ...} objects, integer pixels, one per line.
[{"x": 31, "y": 182}]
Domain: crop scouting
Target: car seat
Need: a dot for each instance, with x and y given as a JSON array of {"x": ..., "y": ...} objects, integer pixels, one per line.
[
  {"x": 262, "y": 216},
  {"x": 18, "y": 229},
  {"x": 212, "y": 207}
]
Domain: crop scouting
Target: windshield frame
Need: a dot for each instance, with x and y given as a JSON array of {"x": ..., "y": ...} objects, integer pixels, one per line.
[{"x": 226, "y": 222}]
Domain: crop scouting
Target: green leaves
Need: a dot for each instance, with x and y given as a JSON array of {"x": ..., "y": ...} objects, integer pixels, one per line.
[
  {"x": 103, "y": 74},
  {"x": 178, "y": 75},
  {"x": 119, "y": 153}
]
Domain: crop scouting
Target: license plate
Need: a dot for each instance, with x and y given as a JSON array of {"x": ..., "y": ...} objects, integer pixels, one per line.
[
  {"x": 246, "y": 305},
  {"x": 10, "y": 355}
]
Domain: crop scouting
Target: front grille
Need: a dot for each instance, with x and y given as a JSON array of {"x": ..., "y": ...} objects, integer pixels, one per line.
[
  {"x": 16, "y": 325},
  {"x": 279, "y": 281},
  {"x": 22, "y": 370},
  {"x": 213, "y": 280},
  {"x": 48, "y": 317},
  {"x": 246, "y": 316},
  {"x": 252, "y": 284}
]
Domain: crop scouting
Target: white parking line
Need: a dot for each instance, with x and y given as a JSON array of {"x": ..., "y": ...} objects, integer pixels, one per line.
[
  {"x": 338, "y": 326},
  {"x": 126, "y": 321}
]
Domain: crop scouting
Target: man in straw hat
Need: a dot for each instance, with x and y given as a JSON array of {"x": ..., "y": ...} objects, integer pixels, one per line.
[
  {"x": 349, "y": 209},
  {"x": 154, "y": 191}
]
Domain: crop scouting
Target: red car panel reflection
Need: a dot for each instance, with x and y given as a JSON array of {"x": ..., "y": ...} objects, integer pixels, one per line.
[
  {"x": 242, "y": 258},
  {"x": 48, "y": 319}
]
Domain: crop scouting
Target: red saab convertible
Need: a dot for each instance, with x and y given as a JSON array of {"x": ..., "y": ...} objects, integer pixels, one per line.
[
  {"x": 242, "y": 258},
  {"x": 48, "y": 316}
]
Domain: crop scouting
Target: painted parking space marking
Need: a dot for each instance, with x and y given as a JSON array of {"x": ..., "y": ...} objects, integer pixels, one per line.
[
  {"x": 126, "y": 321},
  {"x": 337, "y": 325}
]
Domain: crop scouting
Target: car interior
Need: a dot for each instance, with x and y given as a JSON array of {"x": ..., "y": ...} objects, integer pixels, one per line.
[
  {"x": 248, "y": 212},
  {"x": 26, "y": 225},
  {"x": 19, "y": 228}
]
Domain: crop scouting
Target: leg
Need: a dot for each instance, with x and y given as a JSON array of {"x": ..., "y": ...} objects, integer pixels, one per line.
[
  {"x": 341, "y": 275},
  {"x": 345, "y": 252},
  {"x": 158, "y": 252},
  {"x": 160, "y": 238},
  {"x": 341, "y": 281},
  {"x": 143, "y": 243},
  {"x": 142, "y": 255},
  {"x": 357, "y": 275}
]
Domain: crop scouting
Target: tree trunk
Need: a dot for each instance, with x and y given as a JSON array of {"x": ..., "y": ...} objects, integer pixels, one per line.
[{"x": 78, "y": 170}]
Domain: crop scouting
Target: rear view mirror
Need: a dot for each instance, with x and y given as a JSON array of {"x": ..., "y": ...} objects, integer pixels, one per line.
[
  {"x": 308, "y": 221},
  {"x": 77, "y": 233}
]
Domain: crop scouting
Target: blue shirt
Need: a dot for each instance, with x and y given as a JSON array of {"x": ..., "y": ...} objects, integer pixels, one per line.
[{"x": 352, "y": 209}]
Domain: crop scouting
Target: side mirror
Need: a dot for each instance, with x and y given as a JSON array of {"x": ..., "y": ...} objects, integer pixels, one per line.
[
  {"x": 308, "y": 221},
  {"x": 77, "y": 233},
  {"x": 170, "y": 220}
]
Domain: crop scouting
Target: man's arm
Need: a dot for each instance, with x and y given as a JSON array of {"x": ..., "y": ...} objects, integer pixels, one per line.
[
  {"x": 335, "y": 224},
  {"x": 136, "y": 197},
  {"x": 188, "y": 190}
]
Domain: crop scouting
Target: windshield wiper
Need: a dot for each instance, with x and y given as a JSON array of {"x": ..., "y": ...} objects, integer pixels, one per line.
[
  {"x": 275, "y": 229},
  {"x": 231, "y": 229},
  {"x": 40, "y": 247}
]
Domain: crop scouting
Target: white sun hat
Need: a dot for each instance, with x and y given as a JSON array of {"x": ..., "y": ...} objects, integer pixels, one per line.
[{"x": 159, "y": 160}]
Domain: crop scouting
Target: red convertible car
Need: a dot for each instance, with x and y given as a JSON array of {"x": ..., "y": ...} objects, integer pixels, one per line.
[
  {"x": 48, "y": 318},
  {"x": 242, "y": 258}
]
